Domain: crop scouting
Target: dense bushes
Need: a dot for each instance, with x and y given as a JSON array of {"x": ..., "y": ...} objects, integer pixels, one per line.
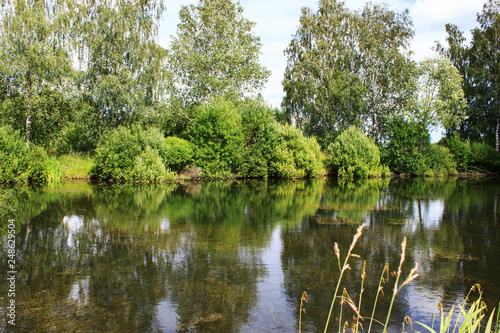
[
  {"x": 353, "y": 154},
  {"x": 245, "y": 140},
  {"x": 217, "y": 138},
  {"x": 294, "y": 155},
  {"x": 18, "y": 163},
  {"x": 179, "y": 153},
  {"x": 132, "y": 154},
  {"x": 475, "y": 154},
  {"x": 223, "y": 140},
  {"x": 408, "y": 151}
]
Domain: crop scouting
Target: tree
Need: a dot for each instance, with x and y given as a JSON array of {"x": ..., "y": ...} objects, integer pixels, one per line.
[
  {"x": 35, "y": 70},
  {"x": 440, "y": 97},
  {"x": 215, "y": 54},
  {"x": 485, "y": 68},
  {"x": 348, "y": 68},
  {"x": 479, "y": 64},
  {"x": 123, "y": 66},
  {"x": 387, "y": 70}
]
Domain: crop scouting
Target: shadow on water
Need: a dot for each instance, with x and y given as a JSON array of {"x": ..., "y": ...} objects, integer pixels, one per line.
[{"x": 236, "y": 256}]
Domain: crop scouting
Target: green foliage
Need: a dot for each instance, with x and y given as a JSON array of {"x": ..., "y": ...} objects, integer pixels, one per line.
[
  {"x": 257, "y": 121},
  {"x": 294, "y": 156},
  {"x": 353, "y": 154},
  {"x": 124, "y": 75},
  {"x": 218, "y": 139},
  {"x": 484, "y": 156},
  {"x": 215, "y": 54},
  {"x": 408, "y": 151},
  {"x": 440, "y": 96},
  {"x": 35, "y": 67},
  {"x": 439, "y": 161},
  {"x": 460, "y": 149},
  {"x": 402, "y": 152},
  {"x": 75, "y": 165},
  {"x": 18, "y": 163},
  {"x": 478, "y": 63},
  {"x": 347, "y": 68},
  {"x": 131, "y": 154},
  {"x": 179, "y": 153}
]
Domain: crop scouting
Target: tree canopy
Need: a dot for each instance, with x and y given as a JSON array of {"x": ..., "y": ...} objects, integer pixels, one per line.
[
  {"x": 479, "y": 64},
  {"x": 35, "y": 66},
  {"x": 348, "y": 68},
  {"x": 215, "y": 53}
]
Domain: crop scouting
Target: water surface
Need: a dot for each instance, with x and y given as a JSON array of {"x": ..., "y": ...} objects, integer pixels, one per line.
[{"x": 236, "y": 256}]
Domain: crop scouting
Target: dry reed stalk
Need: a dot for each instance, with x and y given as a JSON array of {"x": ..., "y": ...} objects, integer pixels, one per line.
[
  {"x": 302, "y": 300},
  {"x": 379, "y": 290},
  {"x": 412, "y": 276},
  {"x": 363, "y": 276},
  {"x": 343, "y": 268}
]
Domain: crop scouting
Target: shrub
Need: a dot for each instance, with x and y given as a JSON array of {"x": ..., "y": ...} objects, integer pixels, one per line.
[
  {"x": 149, "y": 167},
  {"x": 461, "y": 149},
  {"x": 18, "y": 163},
  {"x": 218, "y": 139},
  {"x": 402, "y": 152},
  {"x": 257, "y": 122},
  {"x": 439, "y": 161},
  {"x": 484, "y": 156},
  {"x": 179, "y": 153},
  {"x": 294, "y": 156},
  {"x": 13, "y": 156},
  {"x": 353, "y": 154},
  {"x": 125, "y": 153}
]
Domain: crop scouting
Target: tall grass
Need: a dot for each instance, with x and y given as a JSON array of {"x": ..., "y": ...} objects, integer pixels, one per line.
[{"x": 469, "y": 321}]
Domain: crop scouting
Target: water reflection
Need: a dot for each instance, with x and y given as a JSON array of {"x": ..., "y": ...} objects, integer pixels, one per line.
[{"x": 236, "y": 256}]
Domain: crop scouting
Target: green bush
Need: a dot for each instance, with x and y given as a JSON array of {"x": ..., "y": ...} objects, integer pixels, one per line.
[
  {"x": 461, "y": 149},
  {"x": 439, "y": 161},
  {"x": 218, "y": 139},
  {"x": 484, "y": 156},
  {"x": 402, "y": 151},
  {"x": 179, "y": 153},
  {"x": 353, "y": 154},
  {"x": 294, "y": 156},
  {"x": 18, "y": 163},
  {"x": 257, "y": 122},
  {"x": 149, "y": 167},
  {"x": 13, "y": 156},
  {"x": 126, "y": 153}
]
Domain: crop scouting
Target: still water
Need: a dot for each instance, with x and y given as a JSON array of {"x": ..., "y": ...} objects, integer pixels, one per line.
[{"x": 237, "y": 256}]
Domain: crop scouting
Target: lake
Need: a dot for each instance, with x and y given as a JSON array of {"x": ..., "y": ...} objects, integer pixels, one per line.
[{"x": 236, "y": 256}]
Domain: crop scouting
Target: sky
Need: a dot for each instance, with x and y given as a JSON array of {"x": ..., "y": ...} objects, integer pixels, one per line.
[{"x": 278, "y": 20}]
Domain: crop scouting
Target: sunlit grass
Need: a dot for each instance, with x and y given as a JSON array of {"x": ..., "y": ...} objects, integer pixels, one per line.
[{"x": 75, "y": 166}]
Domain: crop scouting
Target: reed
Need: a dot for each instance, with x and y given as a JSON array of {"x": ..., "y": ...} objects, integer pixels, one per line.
[
  {"x": 344, "y": 267},
  {"x": 468, "y": 321},
  {"x": 345, "y": 299},
  {"x": 379, "y": 290},
  {"x": 302, "y": 300}
]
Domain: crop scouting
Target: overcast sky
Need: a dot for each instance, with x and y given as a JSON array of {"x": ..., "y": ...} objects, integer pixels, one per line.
[{"x": 277, "y": 20}]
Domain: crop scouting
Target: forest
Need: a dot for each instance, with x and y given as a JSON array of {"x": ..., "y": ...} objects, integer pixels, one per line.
[{"x": 86, "y": 91}]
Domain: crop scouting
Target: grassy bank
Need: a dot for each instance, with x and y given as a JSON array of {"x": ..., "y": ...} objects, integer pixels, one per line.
[{"x": 75, "y": 166}]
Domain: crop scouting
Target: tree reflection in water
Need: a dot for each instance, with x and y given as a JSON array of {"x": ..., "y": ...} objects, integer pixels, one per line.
[{"x": 236, "y": 256}]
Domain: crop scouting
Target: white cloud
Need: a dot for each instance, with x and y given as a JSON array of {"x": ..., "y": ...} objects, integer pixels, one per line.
[{"x": 277, "y": 21}]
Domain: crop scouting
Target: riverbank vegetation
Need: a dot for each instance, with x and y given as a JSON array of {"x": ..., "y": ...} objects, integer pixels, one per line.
[{"x": 87, "y": 83}]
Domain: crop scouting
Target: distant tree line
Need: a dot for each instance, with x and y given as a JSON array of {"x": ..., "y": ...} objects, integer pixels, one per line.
[{"x": 90, "y": 77}]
